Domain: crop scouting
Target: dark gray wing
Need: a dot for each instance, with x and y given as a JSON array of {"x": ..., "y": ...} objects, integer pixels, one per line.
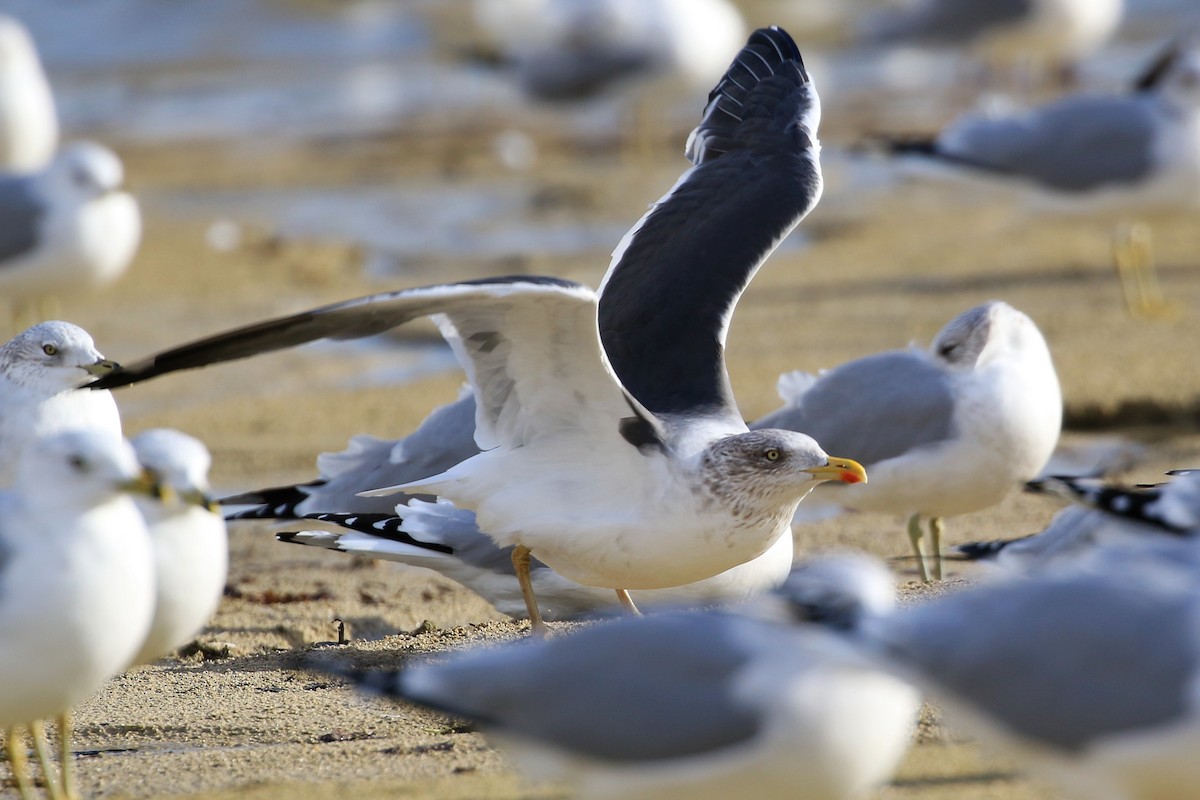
[
  {"x": 674, "y": 280},
  {"x": 639, "y": 690},
  {"x": 874, "y": 408},
  {"x": 1077, "y": 144},
  {"x": 445, "y": 438},
  {"x": 351, "y": 319},
  {"x": 20, "y": 217},
  {"x": 946, "y": 21},
  {"x": 1065, "y": 659}
]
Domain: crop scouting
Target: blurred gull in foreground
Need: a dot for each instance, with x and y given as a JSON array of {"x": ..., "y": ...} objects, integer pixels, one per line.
[
  {"x": 1119, "y": 154},
  {"x": 612, "y": 447},
  {"x": 28, "y": 121},
  {"x": 191, "y": 550},
  {"x": 1086, "y": 675},
  {"x": 65, "y": 230},
  {"x": 78, "y": 587},
  {"x": 942, "y": 432},
  {"x": 685, "y": 705},
  {"x": 40, "y": 371}
]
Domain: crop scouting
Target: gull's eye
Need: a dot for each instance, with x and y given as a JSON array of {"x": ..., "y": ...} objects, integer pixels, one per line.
[
  {"x": 49, "y": 349},
  {"x": 78, "y": 463},
  {"x": 772, "y": 454},
  {"x": 947, "y": 350}
]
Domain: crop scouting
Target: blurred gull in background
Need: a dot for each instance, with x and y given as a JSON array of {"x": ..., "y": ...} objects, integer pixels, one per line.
[
  {"x": 1102, "y": 515},
  {"x": 942, "y": 432},
  {"x": 570, "y": 49},
  {"x": 1053, "y": 33},
  {"x": 65, "y": 230},
  {"x": 1113, "y": 154},
  {"x": 28, "y": 122}
]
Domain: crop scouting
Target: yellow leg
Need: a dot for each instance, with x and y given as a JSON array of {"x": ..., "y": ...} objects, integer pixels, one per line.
[
  {"x": 66, "y": 757},
  {"x": 1133, "y": 252},
  {"x": 37, "y": 731},
  {"x": 935, "y": 545},
  {"x": 627, "y": 602},
  {"x": 914, "y": 537},
  {"x": 18, "y": 763},
  {"x": 520, "y": 560}
]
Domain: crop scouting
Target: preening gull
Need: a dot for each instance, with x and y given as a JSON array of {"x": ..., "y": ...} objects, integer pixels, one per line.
[
  {"x": 69, "y": 536},
  {"x": 28, "y": 121},
  {"x": 943, "y": 432},
  {"x": 191, "y": 551},
  {"x": 696, "y": 705},
  {"x": 569, "y": 49},
  {"x": 1086, "y": 675},
  {"x": 612, "y": 445},
  {"x": 1120, "y": 154},
  {"x": 67, "y": 229},
  {"x": 1057, "y": 32},
  {"x": 40, "y": 370}
]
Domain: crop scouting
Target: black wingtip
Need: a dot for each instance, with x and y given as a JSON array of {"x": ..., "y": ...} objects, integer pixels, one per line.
[
  {"x": 739, "y": 102},
  {"x": 1151, "y": 76},
  {"x": 979, "y": 551}
]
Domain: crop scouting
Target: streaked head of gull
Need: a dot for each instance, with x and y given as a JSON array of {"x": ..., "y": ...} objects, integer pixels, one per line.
[
  {"x": 180, "y": 462},
  {"x": 52, "y": 356},
  {"x": 85, "y": 171},
  {"x": 770, "y": 467}
]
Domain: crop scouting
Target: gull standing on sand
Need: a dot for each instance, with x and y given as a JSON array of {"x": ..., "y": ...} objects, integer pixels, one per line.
[
  {"x": 447, "y": 539},
  {"x": 1086, "y": 674},
  {"x": 40, "y": 371},
  {"x": 78, "y": 577},
  {"x": 65, "y": 230},
  {"x": 613, "y": 449},
  {"x": 28, "y": 121},
  {"x": 686, "y": 705},
  {"x": 943, "y": 432},
  {"x": 191, "y": 550},
  {"x": 1111, "y": 154}
]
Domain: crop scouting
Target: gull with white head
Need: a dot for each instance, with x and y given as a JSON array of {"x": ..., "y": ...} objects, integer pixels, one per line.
[
  {"x": 944, "y": 431},
  {"x": 40, "y": 371},
  {"x": 78, "y": 575},
  {"x": 191, "y": 550},
  {"x": 68, "y": 228}
]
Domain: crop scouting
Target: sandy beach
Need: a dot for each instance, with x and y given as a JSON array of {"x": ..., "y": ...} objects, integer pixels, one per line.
[{"x": 875, "y": 267}]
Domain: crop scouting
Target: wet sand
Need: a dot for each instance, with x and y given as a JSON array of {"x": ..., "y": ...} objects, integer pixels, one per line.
[{"x": 239, "y": 718}]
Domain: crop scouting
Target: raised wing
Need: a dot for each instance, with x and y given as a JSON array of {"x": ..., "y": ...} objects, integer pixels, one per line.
[{"x": 676, "y": 276}]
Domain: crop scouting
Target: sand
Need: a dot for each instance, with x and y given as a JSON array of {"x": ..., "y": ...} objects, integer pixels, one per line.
[{"x": 240, "y": 717}]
